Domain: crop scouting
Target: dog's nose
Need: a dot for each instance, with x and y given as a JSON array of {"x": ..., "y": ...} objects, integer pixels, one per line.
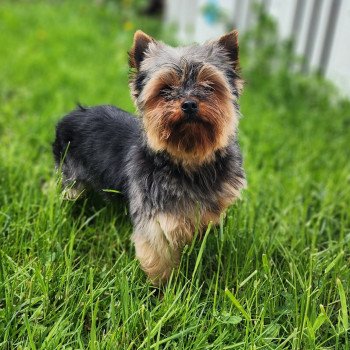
[{"x": 189, "y": 106}]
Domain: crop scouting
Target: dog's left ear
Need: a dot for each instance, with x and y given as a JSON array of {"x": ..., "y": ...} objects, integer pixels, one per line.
[
  {"x": 139, "y": 48},
  {"x": 229, "y": 42}
]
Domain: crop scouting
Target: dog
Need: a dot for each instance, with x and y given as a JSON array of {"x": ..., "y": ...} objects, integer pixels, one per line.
[{"x": 178, "y": 164}]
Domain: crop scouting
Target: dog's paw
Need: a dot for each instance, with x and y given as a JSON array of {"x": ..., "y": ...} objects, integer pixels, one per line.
[{"x": 72, "y": 194}]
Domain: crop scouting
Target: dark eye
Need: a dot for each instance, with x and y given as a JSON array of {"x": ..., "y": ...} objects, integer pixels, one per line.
[
  {"x": 208, "y": 88},
  {"x": 165, "y": 91}
]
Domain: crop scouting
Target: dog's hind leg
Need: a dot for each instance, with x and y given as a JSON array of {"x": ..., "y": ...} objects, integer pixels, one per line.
[{"x": 73, "y": 187}]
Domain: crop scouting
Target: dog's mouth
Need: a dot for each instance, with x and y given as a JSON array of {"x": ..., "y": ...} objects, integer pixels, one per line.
[
  {"x": 191, "y": 133},
  {"x": 191, "y": 119}
]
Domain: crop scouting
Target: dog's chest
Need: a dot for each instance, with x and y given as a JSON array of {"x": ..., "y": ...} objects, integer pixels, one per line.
[
  {"x": 158, "y": 186},
  {"x": 176, "y": 192},
  {"x": 185, "y": 203}
]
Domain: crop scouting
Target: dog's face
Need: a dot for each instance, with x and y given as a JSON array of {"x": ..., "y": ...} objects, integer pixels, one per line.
[{"x": 187, "y": 95}]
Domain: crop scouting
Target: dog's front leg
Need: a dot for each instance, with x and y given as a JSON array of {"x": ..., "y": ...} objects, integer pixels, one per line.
[
  {"x": 159, "y": 243},
  {"x": 156, "y": 257}
]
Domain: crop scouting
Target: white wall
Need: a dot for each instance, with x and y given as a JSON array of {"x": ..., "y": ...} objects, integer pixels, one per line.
[{"x": 339, "y": 62}]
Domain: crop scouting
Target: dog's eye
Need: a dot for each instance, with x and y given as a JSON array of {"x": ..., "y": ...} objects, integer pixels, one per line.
[
  {"x": 165, "y": 91},
  {"x": 208, "y": 88}
]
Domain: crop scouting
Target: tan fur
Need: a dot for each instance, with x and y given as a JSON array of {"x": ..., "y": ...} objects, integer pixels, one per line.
[
  {"x": 157, "y": 264},
  {"x": 158, "y": 245},
  {"x": 141, "y": 43},
  {"x": 209, "y": 216},
  {"x": 230, "y": 42},
  {"x": 159, "y": 242},
  {"x": 227, "y": 196},
  {"x": 73, "y": 193},
  {"x": 194, "y": 143},
  {"x": 162, "y": 79},
  {"x": 153, "y": 251},
  {"x": 177, "y": 230}
]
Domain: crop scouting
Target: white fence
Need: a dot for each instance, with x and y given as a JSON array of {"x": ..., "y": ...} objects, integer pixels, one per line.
[{"x": 320, "y": 29}]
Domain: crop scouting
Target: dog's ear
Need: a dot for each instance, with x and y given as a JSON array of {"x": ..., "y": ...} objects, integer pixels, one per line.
[
  {"x": 229, "y": 42},
  {"x": 139, "y": 47}
]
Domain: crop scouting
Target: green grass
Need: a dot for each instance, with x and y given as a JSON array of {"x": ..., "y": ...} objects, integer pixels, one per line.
[{"x": 274, "y": 275}]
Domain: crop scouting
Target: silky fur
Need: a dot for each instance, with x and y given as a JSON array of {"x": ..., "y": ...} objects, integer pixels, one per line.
[{"x": 178, "y": 175}]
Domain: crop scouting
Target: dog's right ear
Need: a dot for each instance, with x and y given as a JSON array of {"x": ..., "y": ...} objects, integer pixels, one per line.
[{"x": 139, "y": 48}]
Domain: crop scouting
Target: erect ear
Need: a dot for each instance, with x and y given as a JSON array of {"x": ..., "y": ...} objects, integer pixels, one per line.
[
  {"x": 139, "y": 47},
  {"x": 229, "y": 42}
]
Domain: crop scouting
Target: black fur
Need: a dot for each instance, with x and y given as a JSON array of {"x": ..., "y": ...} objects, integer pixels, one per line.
[
  {"x": 93, "y": 144},
  {"x": 104, "y": 148}
]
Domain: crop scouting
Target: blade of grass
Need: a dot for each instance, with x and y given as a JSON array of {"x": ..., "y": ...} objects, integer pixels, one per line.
[
  {"x": 344, "y": 307},
  {"x": 237, "y": 304}
]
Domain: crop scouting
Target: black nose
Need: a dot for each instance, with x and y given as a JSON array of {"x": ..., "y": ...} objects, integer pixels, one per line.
[{"x": 189, "y": 106}]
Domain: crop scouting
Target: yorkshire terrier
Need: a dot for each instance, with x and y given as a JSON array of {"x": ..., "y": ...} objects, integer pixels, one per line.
[{"x": 179, "y": 164}]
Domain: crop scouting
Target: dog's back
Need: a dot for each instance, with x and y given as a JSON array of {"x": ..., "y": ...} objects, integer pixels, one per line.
[{"x": 91, "y": 146}]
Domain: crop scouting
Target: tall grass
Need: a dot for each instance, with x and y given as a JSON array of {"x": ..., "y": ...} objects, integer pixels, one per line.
[{"x": 274, "y": 274}]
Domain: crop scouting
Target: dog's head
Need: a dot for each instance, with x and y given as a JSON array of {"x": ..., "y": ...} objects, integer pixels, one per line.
[{"x": 186, "y": 95}]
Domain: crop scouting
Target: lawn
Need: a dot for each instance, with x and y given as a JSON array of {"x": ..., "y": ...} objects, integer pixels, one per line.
[{"x": 274, "y": 275}]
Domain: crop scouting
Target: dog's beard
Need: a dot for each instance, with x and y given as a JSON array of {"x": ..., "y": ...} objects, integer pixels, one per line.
[
  {"x": 192, "y": 138},
  {"x": 191, "y": 135}
]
